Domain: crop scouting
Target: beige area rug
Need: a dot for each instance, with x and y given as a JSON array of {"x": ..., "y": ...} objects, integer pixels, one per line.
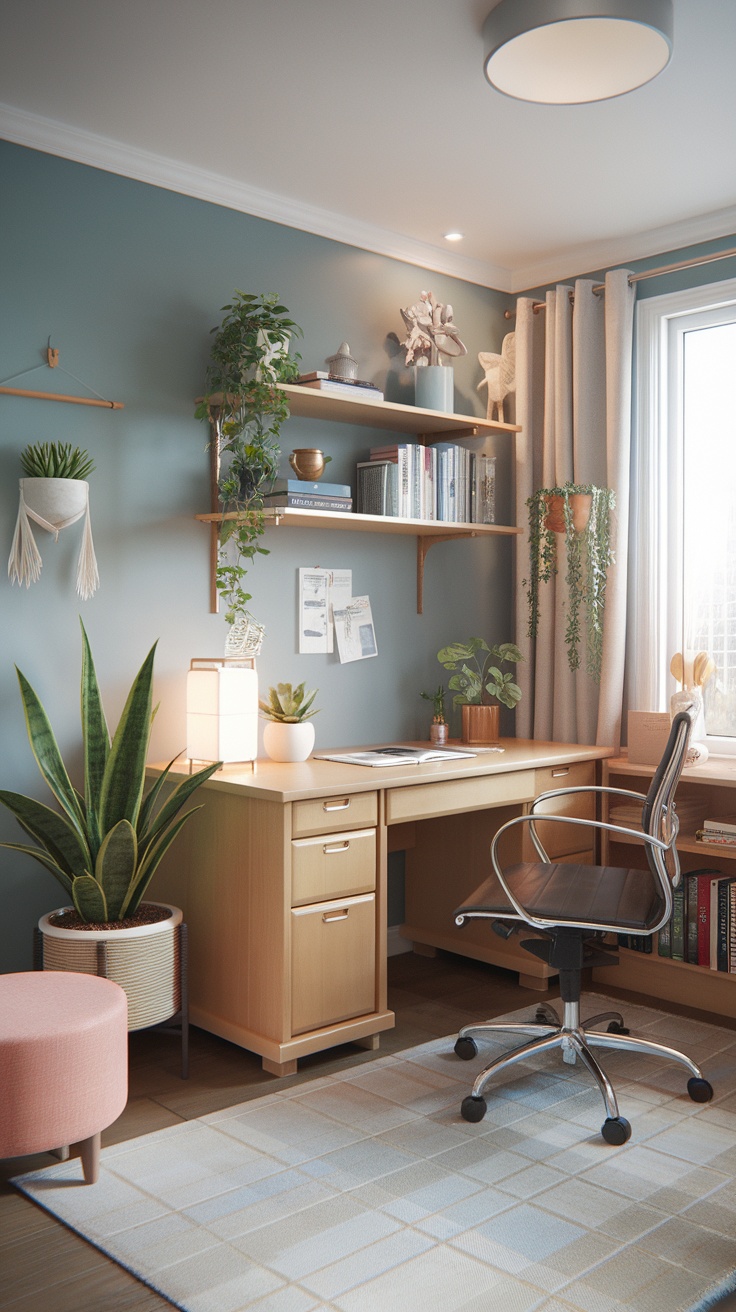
[{"x": 366, "y": 1191}]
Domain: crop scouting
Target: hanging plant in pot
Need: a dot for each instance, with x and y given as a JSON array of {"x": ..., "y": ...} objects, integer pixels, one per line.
[
  {"x": 104, "y": 846},
  {"x": 54, "y": 494},
  {"x": 481, "y": 685},
  {"x": 246, "y": 409},
  {"x": 579, "y": 514},
  {"x": 288, "y": 736}
]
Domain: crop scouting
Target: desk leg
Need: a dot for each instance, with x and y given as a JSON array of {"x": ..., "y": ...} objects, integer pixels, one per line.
[
  {"x": 279, "y": 1068},
  {"x": 371, "y": 1042},
  {"x": 535, "y": 982}
]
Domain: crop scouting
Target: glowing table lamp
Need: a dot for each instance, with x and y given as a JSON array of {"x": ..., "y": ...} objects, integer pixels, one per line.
[{"x": 222, "y": 709}]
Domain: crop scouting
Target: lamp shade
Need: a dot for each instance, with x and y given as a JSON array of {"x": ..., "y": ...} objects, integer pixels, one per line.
[
  {"x": 222, "y": 711},
  {"x": 569, "y": 52}
]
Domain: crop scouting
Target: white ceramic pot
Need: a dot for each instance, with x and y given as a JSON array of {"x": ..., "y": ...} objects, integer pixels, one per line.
[
  {"x": 143, "y": 960},
  {"x": 288, "y": 742}
]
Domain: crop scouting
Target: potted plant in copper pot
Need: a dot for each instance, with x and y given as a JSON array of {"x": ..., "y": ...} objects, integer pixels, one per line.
[{"x": 480, "y": 685}]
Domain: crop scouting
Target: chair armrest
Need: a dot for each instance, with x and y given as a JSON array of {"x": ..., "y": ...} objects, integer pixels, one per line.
[{"x": 589, "y": 788}]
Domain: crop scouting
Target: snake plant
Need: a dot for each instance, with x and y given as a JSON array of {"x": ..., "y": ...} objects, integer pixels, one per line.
[{"x": 103, "y": 846}]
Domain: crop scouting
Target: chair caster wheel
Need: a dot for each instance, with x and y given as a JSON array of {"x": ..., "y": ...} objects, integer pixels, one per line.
[
  {"x": 700, "y": 1090},
  {"x": 473, "y": 1109},
  {"x": 466, "y": 1048},
  {"x": 616, "y": 1130},
  {"x": 615, "y": 1028}
]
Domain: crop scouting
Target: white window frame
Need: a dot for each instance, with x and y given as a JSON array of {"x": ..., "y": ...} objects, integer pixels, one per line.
[{"x": 655, "y": 619}]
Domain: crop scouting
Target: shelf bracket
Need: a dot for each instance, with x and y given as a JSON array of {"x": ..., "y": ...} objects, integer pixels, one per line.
[{"x": 424, "y": 542}]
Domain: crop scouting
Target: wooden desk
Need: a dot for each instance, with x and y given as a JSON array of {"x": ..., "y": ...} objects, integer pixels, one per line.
[{"x": 282, "y": 879}]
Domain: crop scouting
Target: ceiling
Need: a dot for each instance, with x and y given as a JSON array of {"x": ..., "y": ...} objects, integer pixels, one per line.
[{"x": 372, "y": 123}]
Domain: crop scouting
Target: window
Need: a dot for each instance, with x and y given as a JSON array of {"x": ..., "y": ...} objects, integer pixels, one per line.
[{"x": 684, "y": 501}]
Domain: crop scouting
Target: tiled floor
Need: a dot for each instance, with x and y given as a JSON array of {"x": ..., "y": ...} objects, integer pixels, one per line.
[{"x": 366, "y": 1189}]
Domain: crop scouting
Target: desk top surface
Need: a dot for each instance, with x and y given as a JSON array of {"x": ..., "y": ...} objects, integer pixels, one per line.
[{"x": 278, "y": 781}]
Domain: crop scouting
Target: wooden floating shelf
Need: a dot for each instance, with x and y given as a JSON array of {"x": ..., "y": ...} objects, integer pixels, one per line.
[
  {"x": 426, "y": 531},
  {"x": 309, "y": 403}
]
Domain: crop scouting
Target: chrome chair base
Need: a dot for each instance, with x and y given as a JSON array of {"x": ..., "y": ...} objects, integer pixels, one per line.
[{"x": 575, "y": 1040}]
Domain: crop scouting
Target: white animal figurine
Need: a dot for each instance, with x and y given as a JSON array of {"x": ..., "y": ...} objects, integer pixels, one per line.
[{"x": 500, "y": 379}]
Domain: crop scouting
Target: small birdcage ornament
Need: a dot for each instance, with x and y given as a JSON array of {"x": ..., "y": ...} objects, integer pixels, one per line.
[
  {"x": 342, "y": 364},
  {"x": 244, "y": 638}
]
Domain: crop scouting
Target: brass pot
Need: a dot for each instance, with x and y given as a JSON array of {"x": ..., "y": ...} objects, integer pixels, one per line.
[
  {"x": 308, "y": 463},
  {"x": 481, "y": 724}
]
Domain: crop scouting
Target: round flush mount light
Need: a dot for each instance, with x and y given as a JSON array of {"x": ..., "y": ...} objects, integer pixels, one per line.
[
  {"x": 453, "y": 236},
  {"x": 570, "y": 52}
]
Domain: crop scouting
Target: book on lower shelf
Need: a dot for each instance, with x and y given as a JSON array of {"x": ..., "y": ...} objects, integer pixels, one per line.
[
  {"x": 302, "y": 487},
  {"x": 308, "y": 501},
  {"x": 702, "y": 927},
  {"x": 377, "y": 487},
  {"x": 442, "y": 481}
]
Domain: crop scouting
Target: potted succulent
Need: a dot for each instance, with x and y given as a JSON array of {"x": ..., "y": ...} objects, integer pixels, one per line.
[
  {"x": 439, "y": 729},
  {"x": 104, "y": 846},
  {"x": 54, "y": 494},
  {"x": 288, "y": 736},
  {"x": 581, "y": 514},
  {"x": 246, "y": 408},
  {"x": 481, "y": 684}
]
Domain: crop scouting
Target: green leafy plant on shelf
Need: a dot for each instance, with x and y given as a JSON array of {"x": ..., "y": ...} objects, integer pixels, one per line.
[
  {"x": 249, "y": 359},
  {"x": 288, "y": 705},
  {"x": 105, "y": 845},
  {"x": 580, "y": 514},
  {"x": 480, "y": 680},
  {"x": 55, "y": 460}
]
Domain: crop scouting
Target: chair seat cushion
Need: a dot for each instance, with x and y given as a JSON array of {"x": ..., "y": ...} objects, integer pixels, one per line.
[{"x": 572, "y": 895}]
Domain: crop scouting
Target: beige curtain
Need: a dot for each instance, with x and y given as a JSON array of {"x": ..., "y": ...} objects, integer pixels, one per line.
[{"x": 573, "y": 402}]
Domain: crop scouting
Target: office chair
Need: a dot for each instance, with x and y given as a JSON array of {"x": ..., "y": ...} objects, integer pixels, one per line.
[{"x": 573, "y": 907}]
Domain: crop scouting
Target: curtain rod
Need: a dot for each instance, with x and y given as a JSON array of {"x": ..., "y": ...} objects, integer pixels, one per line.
[{"x": 599, "y": 288}]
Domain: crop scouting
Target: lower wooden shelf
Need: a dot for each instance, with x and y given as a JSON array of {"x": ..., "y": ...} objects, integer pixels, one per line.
[{"x": 672, "y": 981}]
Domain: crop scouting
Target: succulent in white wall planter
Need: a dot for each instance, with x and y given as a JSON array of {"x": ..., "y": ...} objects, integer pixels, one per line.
[{"x": 54, "y": 494}]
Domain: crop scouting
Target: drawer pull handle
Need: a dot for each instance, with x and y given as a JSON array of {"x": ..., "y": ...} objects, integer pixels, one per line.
[
  {"x": 336, "y": 806},
  {"x": 565, "y": 769},
  {"x": 335, "y": 847},
  {"x": 335, "y": 915}
]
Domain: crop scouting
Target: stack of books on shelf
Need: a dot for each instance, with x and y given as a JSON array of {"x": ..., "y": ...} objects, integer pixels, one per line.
[
  {"x": 300, "y": 495},
  {"x": 721, "y": 830},
  {"x": 321, "y": 381},
  {"x": 443, "y": 482},
  {"x": 702, "y": 928}
]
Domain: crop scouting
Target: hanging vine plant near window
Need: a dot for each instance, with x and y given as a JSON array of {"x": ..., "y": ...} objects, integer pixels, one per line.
[
  {"x": 246, "y": 409},
  {"x": 581, "y": 513}
]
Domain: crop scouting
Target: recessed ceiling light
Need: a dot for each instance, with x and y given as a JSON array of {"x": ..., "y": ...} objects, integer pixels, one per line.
[
  {"x": 453, "y": 236},
  {"x": 571, "y": 52}
]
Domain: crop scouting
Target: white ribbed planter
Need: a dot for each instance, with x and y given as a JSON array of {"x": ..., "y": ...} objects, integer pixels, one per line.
[
  {"x": 288, "y": 742},
  {"x": 143, "y": 960}
]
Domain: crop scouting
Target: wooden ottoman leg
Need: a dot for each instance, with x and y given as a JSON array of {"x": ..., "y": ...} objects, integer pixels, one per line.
[{"x": 90, "y": 1155}]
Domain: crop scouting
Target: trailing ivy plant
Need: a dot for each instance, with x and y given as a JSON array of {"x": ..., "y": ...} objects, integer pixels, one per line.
[
  {"x": 589, "y": 556},
  {"x": 249, "y": 358}
]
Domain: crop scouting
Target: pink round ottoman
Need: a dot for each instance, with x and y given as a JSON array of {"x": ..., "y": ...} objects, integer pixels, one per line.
[{"x": 63, "y": 1062}]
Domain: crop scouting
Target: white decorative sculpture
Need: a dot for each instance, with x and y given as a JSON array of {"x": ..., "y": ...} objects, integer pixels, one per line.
[
  {"x": 500, "y": 379},
  {"x": 431, "y": 331}
]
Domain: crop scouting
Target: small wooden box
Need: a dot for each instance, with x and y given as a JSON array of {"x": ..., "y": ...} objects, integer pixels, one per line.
[{"x": 648, "y": 732}]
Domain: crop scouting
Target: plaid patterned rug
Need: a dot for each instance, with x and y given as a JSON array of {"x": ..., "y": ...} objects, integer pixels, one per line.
[{"x": 367, "y": 1191}]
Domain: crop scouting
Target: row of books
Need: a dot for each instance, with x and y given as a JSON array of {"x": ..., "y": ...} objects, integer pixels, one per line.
[
  {"x": 702, "y": 928},
  {"x": 443, "y": 482},
  {"x": 302, "y": 495}
]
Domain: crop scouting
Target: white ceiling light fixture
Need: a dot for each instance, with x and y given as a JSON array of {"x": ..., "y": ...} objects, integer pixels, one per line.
[
  {"x": 453, "y": 236},
  {"x": 571, "y": 52}
]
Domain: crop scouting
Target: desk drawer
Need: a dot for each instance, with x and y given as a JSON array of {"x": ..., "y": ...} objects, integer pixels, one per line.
[
  {"x": 417, "y": 801},
  {"x": 557, "y": 839},
  {"x": 333, "y": 962},
  {"x": 324, "y": 815},
  {"x": 335, "y": 865}
]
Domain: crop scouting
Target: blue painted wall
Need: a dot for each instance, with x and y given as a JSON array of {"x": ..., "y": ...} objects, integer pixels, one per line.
[{"x": 127, "y": 280}]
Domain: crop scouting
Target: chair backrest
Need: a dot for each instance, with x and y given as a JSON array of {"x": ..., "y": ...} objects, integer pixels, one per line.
[{"x": 659, "y": 816}]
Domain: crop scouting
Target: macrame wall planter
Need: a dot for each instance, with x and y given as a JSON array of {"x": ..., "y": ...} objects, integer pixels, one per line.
[{"x": 53, "y": 504}]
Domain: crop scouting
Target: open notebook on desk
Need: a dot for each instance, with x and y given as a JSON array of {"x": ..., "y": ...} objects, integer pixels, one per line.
[{"x": 395, "y": 755}]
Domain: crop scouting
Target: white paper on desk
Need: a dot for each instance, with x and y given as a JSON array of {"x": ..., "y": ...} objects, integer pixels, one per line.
[
  {"x": 356, "y": 636},
  {"x": 318, "y": 589}
]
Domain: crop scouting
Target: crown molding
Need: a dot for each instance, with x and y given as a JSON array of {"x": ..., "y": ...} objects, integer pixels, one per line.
[
  {"x": 611, "y": 254},
  {"x": 45, "y": 134}
]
